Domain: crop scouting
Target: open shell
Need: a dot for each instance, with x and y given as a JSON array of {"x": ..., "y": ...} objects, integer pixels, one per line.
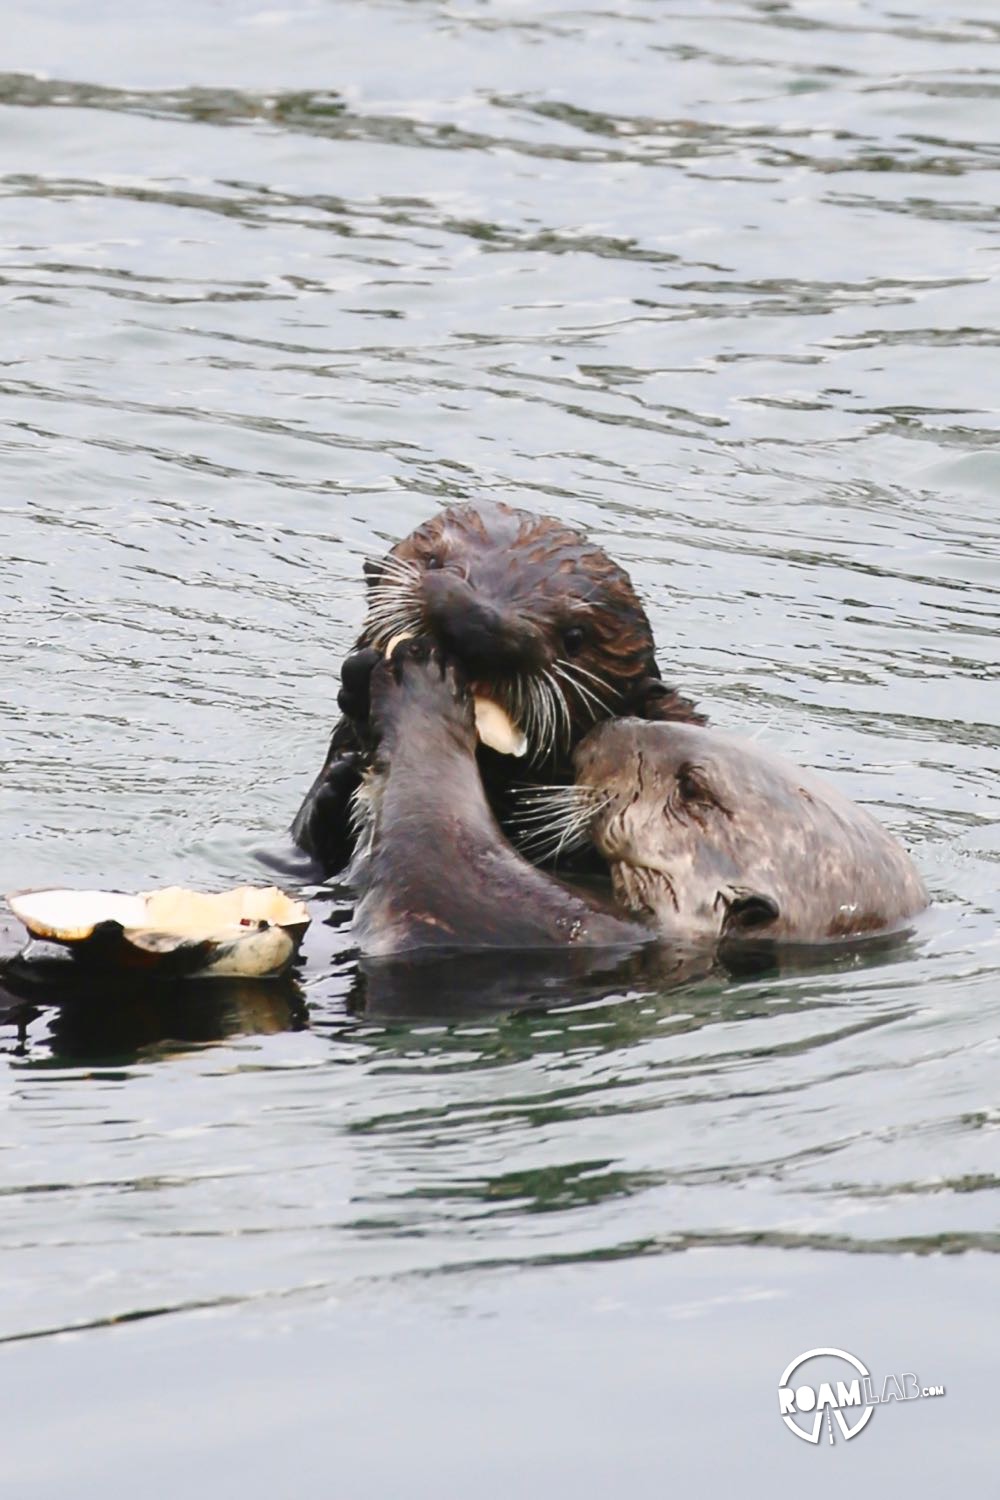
[{"x": 252, "y": 932}]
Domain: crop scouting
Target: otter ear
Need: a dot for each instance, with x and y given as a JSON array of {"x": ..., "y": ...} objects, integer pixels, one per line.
[
  {"x": 749, "y": 912},
  {"x": 653, "y": 699}
]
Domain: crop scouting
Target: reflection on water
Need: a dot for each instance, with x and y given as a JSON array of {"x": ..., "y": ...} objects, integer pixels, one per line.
[
  {"x": 100, "y": 1022},
  {"x": 717, "y": 283}
]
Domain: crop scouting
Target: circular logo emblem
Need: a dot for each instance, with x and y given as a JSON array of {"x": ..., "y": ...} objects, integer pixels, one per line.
[{"x": 832, "y": 1393}]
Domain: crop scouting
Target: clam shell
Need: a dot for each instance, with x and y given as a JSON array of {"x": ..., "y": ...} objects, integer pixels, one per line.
[
  {"x": 250, "y": 932},
  {"x": 497, "y": 729}
]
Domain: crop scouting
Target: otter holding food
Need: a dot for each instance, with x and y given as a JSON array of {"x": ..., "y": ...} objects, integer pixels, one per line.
[
  {"x": 708, "y": 839},
  {"x": 547, "y": 629},
  {"x": 432, "y": 868}
]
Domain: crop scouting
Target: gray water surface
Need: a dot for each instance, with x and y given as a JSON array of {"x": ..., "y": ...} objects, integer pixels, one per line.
[{"x": 717, "y": 282}]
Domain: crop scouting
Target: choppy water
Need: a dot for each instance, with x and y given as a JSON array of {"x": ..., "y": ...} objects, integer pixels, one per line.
[{"x": 717, "y": 281}]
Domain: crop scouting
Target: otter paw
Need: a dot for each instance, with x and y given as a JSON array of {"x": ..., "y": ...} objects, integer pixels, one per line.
[
  {"x": 354, "y": 698},
  {"x": 417, "y": 686},
  {"x": 322, "y": 827}
]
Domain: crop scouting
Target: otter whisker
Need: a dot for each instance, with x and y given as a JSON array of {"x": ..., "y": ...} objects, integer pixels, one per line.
[
  {"x": 390, "y": 593},
  {"x": 549, "y": 844},
  {"x": 578, "y": 669},
  {"x": 560, "y": 835},
  {"x": 552, "y": 821},
  {"x": 555, "y": 819},
  {"x": 549, "y": 809},
  {"x": 546, "y": 816},
  {"x": 567, "y": 791},
  {"x": 546, "y": 713},
  {"x": 544, "y": 698},
  {"x": 522, "y": 707},
  {"x": 392, "y": 604},
  {"x": 575, "y": 836},
  {"x": 586, "y": 693},
  {"x": 393, "y": 609},
  {"x": 397, "y": 568},
  {"x": 531, "y": 708},
  {"x": 550, "y": 803},
  {"x": 392, "y": 586},
  {"x": 764, "y": 728},
  {"x": 381, "y": 629},
  {"x": 561, "y": 708},
  {"x": 552, "y": 799},
  {"x": 591, "y": 700}
]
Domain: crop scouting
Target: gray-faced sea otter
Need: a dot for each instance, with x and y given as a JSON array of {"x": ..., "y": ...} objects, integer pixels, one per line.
[{"x": 708, "y": 840}]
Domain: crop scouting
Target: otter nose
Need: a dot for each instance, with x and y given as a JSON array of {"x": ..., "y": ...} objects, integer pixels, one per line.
[{"x": 489, "y": 639}]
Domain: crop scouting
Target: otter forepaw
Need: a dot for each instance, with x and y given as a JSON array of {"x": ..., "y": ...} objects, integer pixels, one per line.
[
  {"x": 354, "y": 698},
  {"x": 418, "y": 687},
  {"x": 322, "y": 827}
]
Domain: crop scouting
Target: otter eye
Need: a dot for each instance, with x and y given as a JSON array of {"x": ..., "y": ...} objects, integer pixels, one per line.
[
  {"x": 432, "y": 562},
  {"x": 573, "y": 640},
  {"x": 691, "y": 784}
]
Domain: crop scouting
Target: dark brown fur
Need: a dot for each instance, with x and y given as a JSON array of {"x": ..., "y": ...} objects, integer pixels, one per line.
[
  {"x": 514, "y": 599},
  {"x": 433, "y": 869}
]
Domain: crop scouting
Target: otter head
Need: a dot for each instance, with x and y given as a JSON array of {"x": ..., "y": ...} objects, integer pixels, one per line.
[
  {"x": 668, "y": 810},
  {"x": 541, "y": 621}
]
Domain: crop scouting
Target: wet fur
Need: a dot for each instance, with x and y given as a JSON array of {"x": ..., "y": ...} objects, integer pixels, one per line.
[
  {"x": 536, "y": 615},
  {"x": 709, "y": 837},
  {"x": 709, "y": 840},
  {"x": 433, "y": 870}
]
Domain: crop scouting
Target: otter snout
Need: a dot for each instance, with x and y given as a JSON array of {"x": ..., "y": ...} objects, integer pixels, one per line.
[{"x": 490, "y": 640}]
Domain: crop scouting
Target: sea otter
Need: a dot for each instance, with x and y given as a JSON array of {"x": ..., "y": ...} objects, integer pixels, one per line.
[
  {"x": 709, "y": 840},
  {"x": 538, "y": 619},
  {"x": 710, "y": 837}
]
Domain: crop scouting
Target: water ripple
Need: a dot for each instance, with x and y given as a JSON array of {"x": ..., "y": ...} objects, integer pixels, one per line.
[{"x": 717, "y": 284}]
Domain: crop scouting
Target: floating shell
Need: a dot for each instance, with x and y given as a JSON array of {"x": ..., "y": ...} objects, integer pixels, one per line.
[{"x": 252, "y": 932}]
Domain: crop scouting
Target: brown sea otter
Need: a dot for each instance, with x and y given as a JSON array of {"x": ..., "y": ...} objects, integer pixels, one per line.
[
  {"x": 539, "y": 620},
  {"x": 709, "y": 840}
]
